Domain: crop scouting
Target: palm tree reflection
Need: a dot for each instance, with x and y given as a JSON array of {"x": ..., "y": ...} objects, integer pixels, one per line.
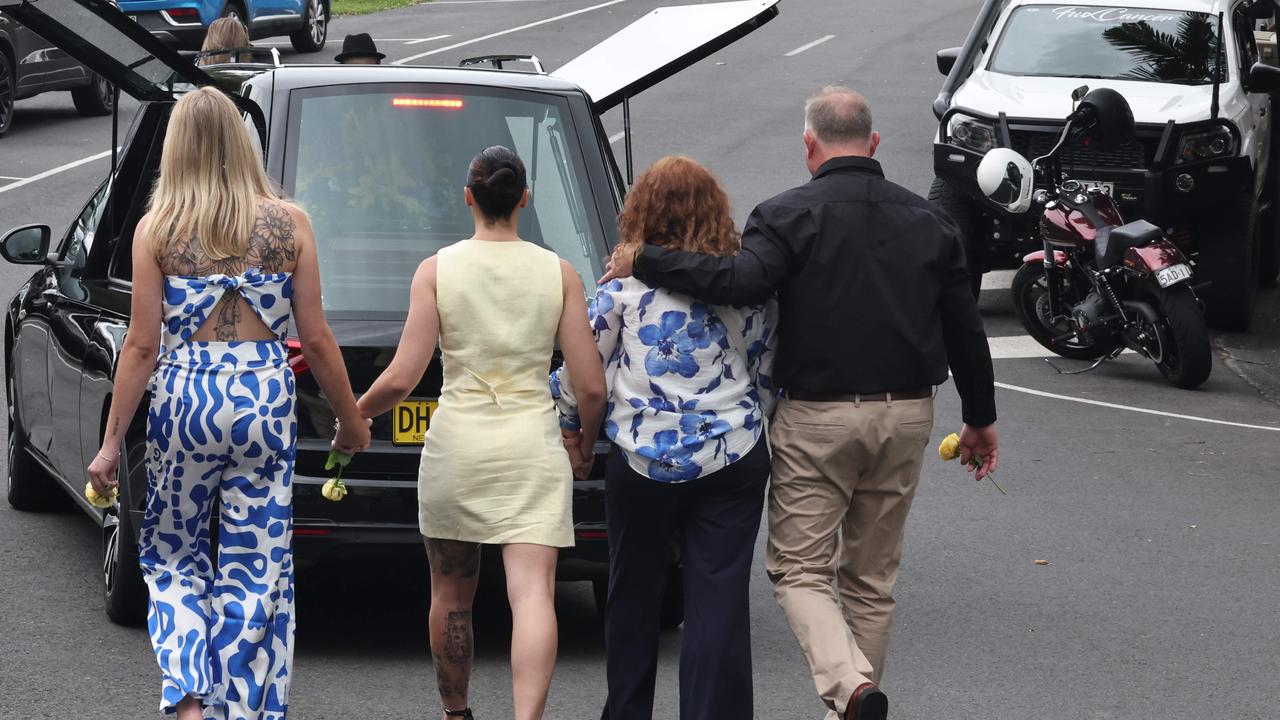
[{"x": 1188, "y": 56}]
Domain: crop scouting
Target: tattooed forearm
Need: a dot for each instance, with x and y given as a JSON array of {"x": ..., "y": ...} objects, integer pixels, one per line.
[{"x": 452, "y": 558}]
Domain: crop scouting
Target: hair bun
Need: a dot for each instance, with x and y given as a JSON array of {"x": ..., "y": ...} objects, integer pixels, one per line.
[{"x": 501, "y": 176}]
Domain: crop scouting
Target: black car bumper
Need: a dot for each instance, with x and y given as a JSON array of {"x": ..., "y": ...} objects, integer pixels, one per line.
[{"x": 322, "y": 528}]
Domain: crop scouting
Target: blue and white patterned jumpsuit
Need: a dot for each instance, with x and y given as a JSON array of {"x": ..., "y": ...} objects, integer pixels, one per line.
[{"x": 221, "y": 431}]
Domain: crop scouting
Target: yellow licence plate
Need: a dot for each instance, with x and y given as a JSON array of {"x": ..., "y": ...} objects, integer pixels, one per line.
[{"x": 410, "y": 420}]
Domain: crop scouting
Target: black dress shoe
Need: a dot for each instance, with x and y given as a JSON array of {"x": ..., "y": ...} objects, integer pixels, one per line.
[{"x": 867, "y": 703}]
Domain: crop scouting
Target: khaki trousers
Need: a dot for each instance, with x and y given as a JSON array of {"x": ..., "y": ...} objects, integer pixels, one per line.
[{"x": 844, "y": 475}]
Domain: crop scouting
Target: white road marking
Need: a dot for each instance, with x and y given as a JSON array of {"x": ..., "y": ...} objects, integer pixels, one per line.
[
  {"x": 54, "y": 171},
  {"x": 500, "y": 33},
  {"x": 9, "y": 177},
  {"x": 1016, "y": 346},
  {"x": 809, "y": 46},
  {"x": 419, "y": 41},
  {"x": 332, "y": 41},
  {"x": 998, "y": 280},
  {"x": 1131, "y": 408},
  {"x": 616, "y": 137},
  {"x": 478, "y": 2}
]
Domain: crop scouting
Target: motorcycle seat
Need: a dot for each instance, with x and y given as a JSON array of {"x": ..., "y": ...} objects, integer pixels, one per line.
[{"x": 1112, "y": 244}]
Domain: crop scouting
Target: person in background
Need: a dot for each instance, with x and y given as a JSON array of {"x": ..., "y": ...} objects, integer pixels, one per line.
[
  {"x": 220, "y": 264},
  {"x": 494, "y": 467},
  {"x": 359, "y": 49},
  {"x": 689, "y": 391},
  {"x": 226, "y": 33},
  {"x": 875, "y": 305}
]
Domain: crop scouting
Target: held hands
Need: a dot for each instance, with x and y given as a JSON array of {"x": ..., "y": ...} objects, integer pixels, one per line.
[
  {"x": 581, "y": 455},
  {"x": 622, "y": 262},
  {"x": 981, "y": 443},
  {"x": 352, "y": 437}
]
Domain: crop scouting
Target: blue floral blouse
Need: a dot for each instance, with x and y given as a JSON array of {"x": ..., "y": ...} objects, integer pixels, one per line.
[{"x": 683, "y": 400}]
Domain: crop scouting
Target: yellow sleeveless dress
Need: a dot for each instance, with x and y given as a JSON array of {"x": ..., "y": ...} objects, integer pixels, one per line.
[{"x": 494, "y": 469}]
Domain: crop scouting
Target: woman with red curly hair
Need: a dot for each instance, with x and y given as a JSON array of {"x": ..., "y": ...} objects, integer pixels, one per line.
[{"x": 689, "y": 392}]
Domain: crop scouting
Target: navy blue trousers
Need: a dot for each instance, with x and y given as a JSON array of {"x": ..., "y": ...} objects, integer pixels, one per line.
[{"x": 716, "y": 519}]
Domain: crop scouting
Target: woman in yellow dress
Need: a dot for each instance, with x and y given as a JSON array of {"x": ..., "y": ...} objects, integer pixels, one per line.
[{"x": 495, "y": 469}]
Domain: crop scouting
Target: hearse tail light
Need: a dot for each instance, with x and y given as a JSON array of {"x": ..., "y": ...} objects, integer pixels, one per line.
[
  {"x": 435, "y": 103},
  {"x": 1210, "y": 144},
  {"x": 297, "y": 361}
]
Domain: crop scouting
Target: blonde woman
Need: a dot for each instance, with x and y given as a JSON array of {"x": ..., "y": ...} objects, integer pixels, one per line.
[
  {"x": 220, "y": 263},
  {"x": 225, "y": 33}
]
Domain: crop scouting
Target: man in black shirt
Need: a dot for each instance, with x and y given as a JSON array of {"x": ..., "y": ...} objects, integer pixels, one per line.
[{"x": 875, "y": 305}]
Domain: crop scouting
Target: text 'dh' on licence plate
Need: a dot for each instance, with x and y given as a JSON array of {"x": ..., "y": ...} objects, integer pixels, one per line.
[
  {"x": 1173, "y": 274},
  {"x": 410, "y": 420}
]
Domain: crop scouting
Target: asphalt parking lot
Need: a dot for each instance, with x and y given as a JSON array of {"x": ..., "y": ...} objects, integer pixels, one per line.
[{"x": 1158, "y": 510}]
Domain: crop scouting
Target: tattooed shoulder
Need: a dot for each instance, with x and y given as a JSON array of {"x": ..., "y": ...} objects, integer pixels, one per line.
[{"x": 272, "y": 246}]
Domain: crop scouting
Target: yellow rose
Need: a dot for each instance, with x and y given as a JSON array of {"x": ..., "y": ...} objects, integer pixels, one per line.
[
  {"x": 334, "y": 490},
  {"x": 101, "y": 502},
  {"x": 949, "y": 449}
]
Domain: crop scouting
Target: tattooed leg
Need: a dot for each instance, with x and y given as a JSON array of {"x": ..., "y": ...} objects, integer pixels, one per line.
[{"x": 455, "y": 570}]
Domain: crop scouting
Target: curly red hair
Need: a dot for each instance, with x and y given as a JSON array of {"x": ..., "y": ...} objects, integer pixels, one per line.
[{"x": 677, "y": 203}]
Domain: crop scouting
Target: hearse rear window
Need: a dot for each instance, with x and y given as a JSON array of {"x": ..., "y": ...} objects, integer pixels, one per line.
[{"x": 380, "y": 170}]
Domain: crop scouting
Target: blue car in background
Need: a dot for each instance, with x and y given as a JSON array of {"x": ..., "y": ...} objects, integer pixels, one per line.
[{"x": 182, "y": 23}]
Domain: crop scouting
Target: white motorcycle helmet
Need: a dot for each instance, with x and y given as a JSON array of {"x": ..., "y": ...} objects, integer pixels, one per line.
[{"x": 1007, "y": 179}]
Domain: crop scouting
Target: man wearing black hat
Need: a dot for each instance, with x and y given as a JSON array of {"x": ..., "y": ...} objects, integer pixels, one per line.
[{"x": 359, "y": 49}]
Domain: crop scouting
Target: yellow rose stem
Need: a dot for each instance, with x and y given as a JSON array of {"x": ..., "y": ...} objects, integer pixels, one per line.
[
  {"x": 975, "y": 462},
  {"x": 339, "y": 460}
]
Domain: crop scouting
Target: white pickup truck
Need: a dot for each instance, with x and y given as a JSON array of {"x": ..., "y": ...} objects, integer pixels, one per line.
[{"x": 1199, "y": 75}]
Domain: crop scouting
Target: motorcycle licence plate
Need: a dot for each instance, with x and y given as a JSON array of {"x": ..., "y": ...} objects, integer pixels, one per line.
[{"x": 1173, "y": 275}]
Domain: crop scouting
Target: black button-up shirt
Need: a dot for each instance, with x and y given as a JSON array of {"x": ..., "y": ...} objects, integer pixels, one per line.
[{"x": 872, "y": 288}]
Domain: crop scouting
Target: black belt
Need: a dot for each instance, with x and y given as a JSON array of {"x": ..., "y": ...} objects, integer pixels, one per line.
[{"x": 916, "y": 394}]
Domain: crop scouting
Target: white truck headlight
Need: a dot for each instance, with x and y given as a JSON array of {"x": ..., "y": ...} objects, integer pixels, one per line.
[
  {"x": 1208, "y": 144},
  {"x": 975, "y": 135}
]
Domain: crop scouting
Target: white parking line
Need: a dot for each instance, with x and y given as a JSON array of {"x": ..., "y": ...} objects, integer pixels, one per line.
[
  {"x": 419, "y": 41},
  {"x": 616, "y": 137},
  {"x": 1015, "y": 347},
  {"x": 9, "y": 177},
  {"x": 500, "y": 33},
  {"x": 1131, "y": 408},
  {"x": 332, "y": 41},
  {"x": 47, "y": 173},
  {"x": 809, "y": 46}
]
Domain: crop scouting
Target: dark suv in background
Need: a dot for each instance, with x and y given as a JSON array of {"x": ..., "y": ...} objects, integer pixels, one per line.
[
  {"x": 377, "y": 156},
  {"x": 29, "y": 65}
]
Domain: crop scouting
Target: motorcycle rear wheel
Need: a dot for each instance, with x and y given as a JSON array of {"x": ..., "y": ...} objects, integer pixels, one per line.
[
  {"x": 1031, "y": 299},
  {"x": 1187, "y": 360}
]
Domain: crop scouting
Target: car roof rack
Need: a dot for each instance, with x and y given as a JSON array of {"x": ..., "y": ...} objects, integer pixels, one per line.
[{"x": 496, "y": 61}]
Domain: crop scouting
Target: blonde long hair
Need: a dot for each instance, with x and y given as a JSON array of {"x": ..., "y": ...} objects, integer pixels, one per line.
[
  {"x": 224, "y": 33},
  {"x": 211, "y": 178}
]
